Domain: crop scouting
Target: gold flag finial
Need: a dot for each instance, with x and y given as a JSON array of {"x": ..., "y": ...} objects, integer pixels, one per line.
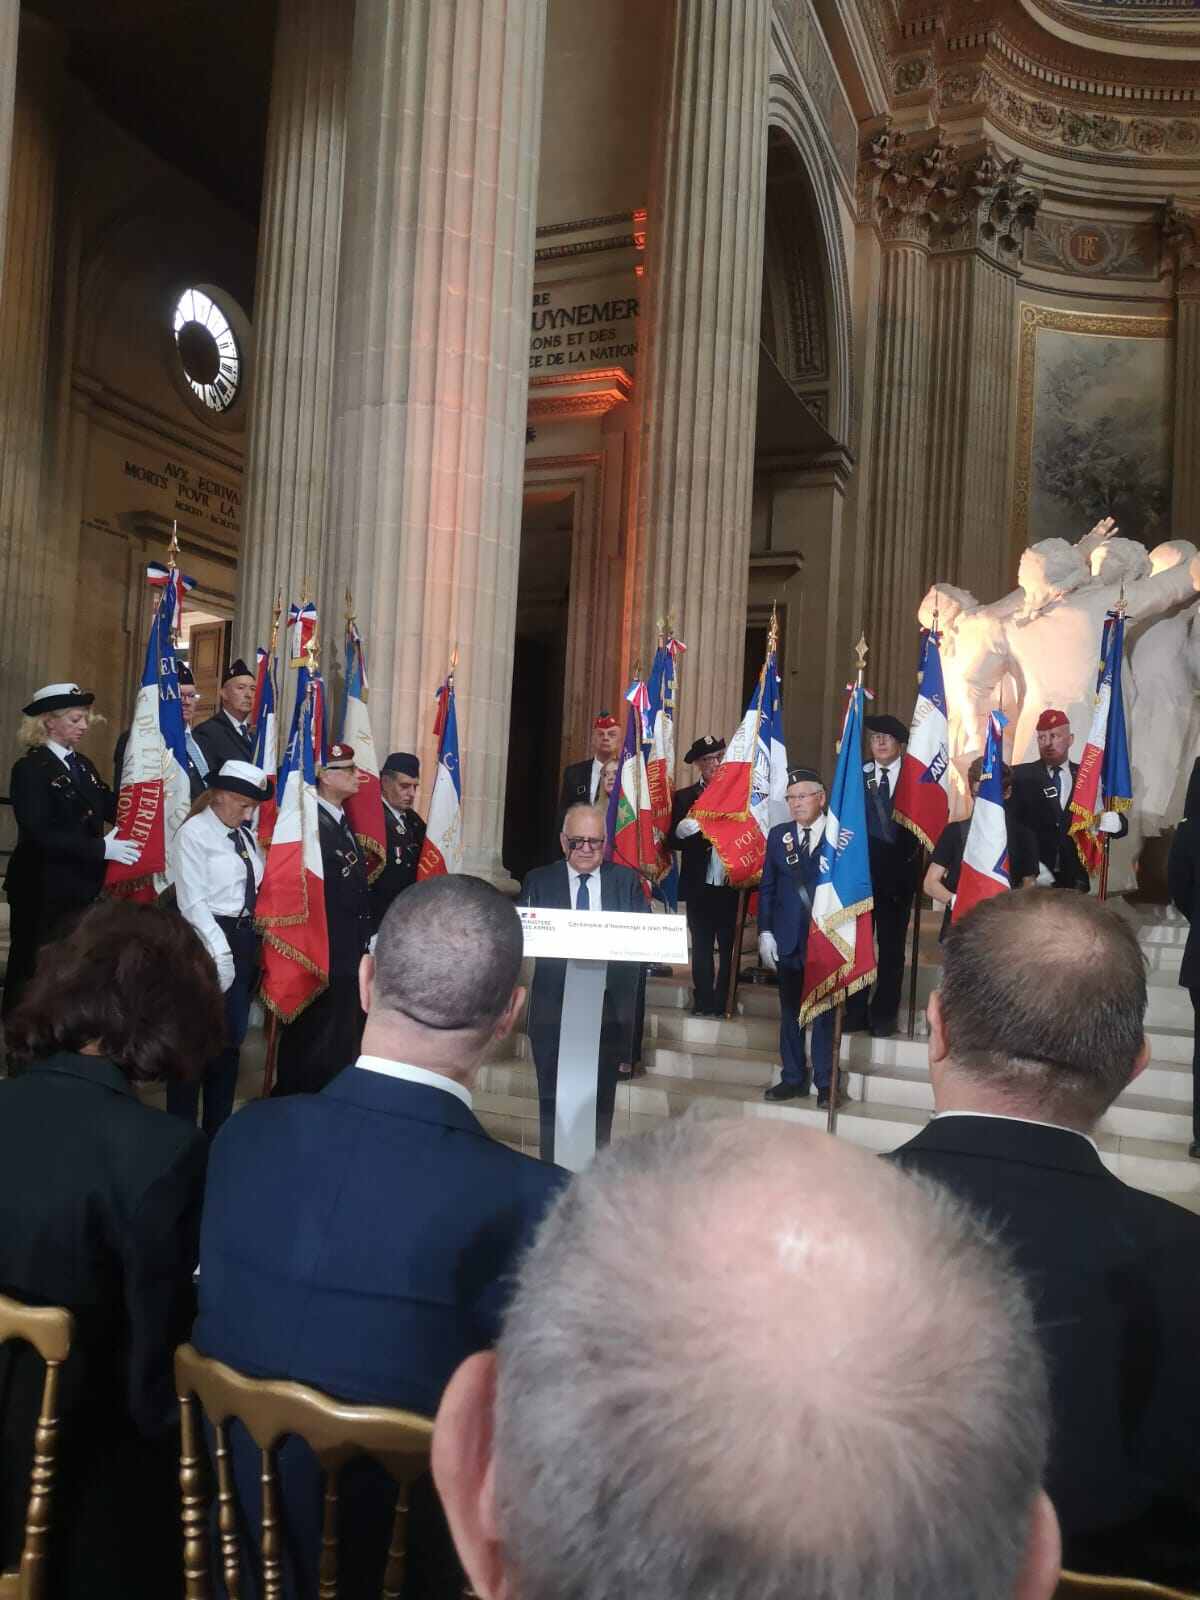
[
  {"x": 312, "y": 650},
  {"x": 173, "y": 547},
  {"x": 349, "y": 606}
]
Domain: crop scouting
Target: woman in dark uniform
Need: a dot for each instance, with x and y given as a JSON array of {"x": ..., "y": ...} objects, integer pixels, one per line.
[
  {"x": 216, "y": 868},
  {"x": 63, "y": 808}
]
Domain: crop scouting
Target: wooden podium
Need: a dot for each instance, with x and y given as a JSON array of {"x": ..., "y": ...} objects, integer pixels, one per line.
[{"x": 587, "y": 941}]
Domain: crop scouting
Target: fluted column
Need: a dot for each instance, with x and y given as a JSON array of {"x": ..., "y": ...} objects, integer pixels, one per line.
[
  {"x": 10, "y": 17},
  {"x": 27, "y": 567},
  {"x": 700, "y": 376},
  {"x": 896, "y": 502},
  {"x": 295, "y": 312},
  {"x": 431, "y": 370}
]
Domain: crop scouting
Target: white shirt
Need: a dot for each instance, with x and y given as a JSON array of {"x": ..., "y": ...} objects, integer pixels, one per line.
[
  {"x": 210, "y": 876},
  {"x": 597, "y": 773},
  {"x": 335, "y": 812},
  {"x": 421, "y": 1075},
  {"x": 1062, "y": 776},
  {"x": 392, "y": 809},
  {"x": 893, "y": 773},
  {"x": 999, "y": 1116},
  {"x": 62, "y": 751},
  {"x": 239, "y": 727},
  {"x": 592, "y": 888}
]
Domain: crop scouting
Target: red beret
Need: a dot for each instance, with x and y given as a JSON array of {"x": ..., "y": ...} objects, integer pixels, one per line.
[
  {"x": 340, "y": 757},
  {"x": 1051, "y": 718},
  {"x": 605, "y": 719}
]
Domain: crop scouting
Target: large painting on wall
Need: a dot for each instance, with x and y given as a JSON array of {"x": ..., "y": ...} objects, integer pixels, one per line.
[{"x": 1094, "y": 426}]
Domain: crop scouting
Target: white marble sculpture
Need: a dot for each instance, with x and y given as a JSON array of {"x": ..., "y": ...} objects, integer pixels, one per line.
[{"x": 1039, "y": 647}]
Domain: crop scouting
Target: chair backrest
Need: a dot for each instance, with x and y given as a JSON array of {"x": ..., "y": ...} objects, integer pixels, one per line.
[
  {"x": 399, "y": 1441},
  {"x": 1079, "y": 1584},
  {"x": 48, "y": 1329}
]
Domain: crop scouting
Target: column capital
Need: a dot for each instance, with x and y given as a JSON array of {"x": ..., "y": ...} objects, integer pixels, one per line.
[
  {"x": 990, "y": 211},
  {"x": 1179, "y": 233}
]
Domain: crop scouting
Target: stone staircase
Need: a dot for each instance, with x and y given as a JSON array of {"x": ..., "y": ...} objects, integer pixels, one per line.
[{"x": 702, "y": 1067}]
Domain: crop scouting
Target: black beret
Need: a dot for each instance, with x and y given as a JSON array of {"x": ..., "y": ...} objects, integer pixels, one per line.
[
  {"x": 402, "y": 762},
  {"x": 707, "y": 745},
  {"x": 185, "y": 673},
  {"x": 891, "y": 725},
  {"x": 237, "y": 669},
  {"x": 804, "y": 775}
]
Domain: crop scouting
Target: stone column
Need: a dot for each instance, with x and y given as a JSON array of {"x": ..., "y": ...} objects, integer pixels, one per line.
[
  {"x": 976, "y": 250},
  {"x": 700, "y": 376},
  {"x": 28, "y": 571},
  {"x": 431, "y": 370},
  {"x": 1181, "y": 245},
  {"x": 295, "y": 313},
  {"x": 10, "y": 16}
]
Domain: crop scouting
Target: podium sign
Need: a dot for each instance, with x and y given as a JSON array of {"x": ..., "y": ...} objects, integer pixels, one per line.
[{"x": 587, "y": 941}]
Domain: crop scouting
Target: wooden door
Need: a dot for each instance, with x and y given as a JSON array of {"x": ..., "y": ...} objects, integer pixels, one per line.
[{"x": 208, "y": 655}]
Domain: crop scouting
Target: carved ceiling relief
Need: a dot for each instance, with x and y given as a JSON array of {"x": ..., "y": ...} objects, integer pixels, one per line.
[
  {"x": 1093, "y": 249},
  {"x": 925, "y": 192}
]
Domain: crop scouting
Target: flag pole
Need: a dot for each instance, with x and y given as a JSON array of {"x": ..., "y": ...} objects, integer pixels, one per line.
[
  {"x": 268, "y": 1082},
  {"x": 917, "y": 906},
  {"x": 831, "y": 1117},
  {"x": 743, "y": 894}
]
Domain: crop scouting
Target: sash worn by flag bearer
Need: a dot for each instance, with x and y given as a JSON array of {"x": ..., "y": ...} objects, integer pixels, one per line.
[
  {"x": 156, "y": 793},
  {"x": 745, "y": 799},
  {"x": 985, "y": 870},
  {"x": 922, "y": 799},
  {"x": 629, "y": 821},
  {"x": 290, "y": 912},
  {"x": 364, "y": 808},
  {"x": 841, "y": 942},
  {"x": 266, "y": 739},
  {"x": 1103, "y": 782},
  {"x": 442, "y": 850}
]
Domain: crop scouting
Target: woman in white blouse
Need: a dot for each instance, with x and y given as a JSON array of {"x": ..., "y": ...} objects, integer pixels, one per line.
[{"x": 217, "y": 870}]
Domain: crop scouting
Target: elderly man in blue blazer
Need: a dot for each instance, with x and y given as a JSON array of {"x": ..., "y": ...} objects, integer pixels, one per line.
[
  {"x": 582, "y": 881},
  {"x": 361, "y": 1239},
  {"x": 785, "y": 898}
]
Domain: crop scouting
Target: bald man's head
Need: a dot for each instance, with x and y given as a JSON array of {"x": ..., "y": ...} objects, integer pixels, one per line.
[{"x": 644, "y": 1442}]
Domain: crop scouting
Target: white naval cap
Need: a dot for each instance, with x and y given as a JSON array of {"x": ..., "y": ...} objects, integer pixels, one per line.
[
  {"x": 244, "y": 778},
  {"x": 57, "y": 697}
]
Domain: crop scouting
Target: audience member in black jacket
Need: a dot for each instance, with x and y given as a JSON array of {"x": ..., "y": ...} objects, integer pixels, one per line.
[
  {"x": 404, "y": 829},
  {"x": 1036, "y": 1030},
  {"x": 100, "y": 1201},
  {"x": 1183, "y": 877},
  {"x": 228, "y": 736}
]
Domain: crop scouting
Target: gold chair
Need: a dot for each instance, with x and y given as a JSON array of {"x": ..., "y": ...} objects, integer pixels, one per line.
[
  {"x": 1079, "y": 1584},
  {"x": 48, "y": 1329},
  {"x": 399, "y": 1441}
]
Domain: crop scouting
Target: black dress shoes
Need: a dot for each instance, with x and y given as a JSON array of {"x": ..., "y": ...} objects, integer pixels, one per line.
[
  {"x": 823, "y": 1099},
  {"x": 884, "y": 1030},
  {"x": 788, "y": 1091}
]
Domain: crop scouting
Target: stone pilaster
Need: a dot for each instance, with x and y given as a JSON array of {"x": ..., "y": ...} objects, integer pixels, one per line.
[
  {"x": 976, "y": 248},
  {"x": 295, "y": 313},
  {"x": 431, "y": 370},
  {"x": 1181, "y": 245},
  {"x": 28, "y": 651},
  {"x": 704, "y": 267},
  {"x": 10, "y": 16}
]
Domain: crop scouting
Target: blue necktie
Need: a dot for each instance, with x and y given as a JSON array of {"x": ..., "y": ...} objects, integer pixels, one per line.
[
  {"x": 582, "y": 899},
  {"x": 76, "y": 767}
]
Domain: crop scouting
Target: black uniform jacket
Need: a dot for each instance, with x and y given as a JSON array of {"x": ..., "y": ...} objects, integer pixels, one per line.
[
  {"x": 1183, "y": 879},
  {"x": 894, "y": 851},
  {"x": 576, "y": 786},
  {"x": 221, "y": 742},
  {"x": 195, "y": 781},
  {"x": 621, "y": 890},
  {"x": 100, "y": 1201},
  {"x": 61, "y": 822},
  {"x": 404, "y": 840},
  {"x": 1115, "y": 1276},
  {"x": 347, "y": 896},
  {"x": 694, "y": 852}
]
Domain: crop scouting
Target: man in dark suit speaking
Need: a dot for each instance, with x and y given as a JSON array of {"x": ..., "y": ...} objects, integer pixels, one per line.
[
  {"x": 582, "y": 881},
  {"x": 1037, "y": 1028},
  {"x": 360, "y": 1239}
]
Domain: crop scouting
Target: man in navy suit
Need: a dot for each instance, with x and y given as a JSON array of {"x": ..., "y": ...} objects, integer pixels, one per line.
[
  {"x": 585, "y": 881},
  {"x": 360, "y": 1239},
  {"x": 785, "y": 896}
]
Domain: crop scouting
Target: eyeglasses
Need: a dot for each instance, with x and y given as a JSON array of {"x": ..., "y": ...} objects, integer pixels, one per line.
[{"x": 584, "y": 844}]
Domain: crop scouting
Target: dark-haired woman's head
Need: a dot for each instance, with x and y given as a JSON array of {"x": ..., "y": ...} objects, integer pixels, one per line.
[{"x": 133, "y": 981}]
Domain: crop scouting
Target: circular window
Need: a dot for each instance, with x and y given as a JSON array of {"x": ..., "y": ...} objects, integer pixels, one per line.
[{"x": 208, "y": 350}]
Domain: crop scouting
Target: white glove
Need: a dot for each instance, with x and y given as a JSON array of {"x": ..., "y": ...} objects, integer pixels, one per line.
[
  {"x": 1045, "y": 878},
  {"x": 122, "y": 850},
  {"x": 687, "y": 829},
  {"x": 953, "y": 898},
  {"x": 1110, "y": 822},
  {"x": 225, "y": 970},
  {"x": 768, "y": 951}
]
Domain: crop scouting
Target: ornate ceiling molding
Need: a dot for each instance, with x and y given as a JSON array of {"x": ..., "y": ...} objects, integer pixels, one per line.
[{"x": 583, "y": 394}]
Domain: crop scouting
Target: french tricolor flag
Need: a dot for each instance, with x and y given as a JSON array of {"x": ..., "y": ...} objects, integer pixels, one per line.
[
  {"x": 364, "y": 808},
  {"x": 155, "y": 795},
  {"x": 984, "y": 870},
  {"x": 290, "y": 912},
  {"x": 266, "y": 740},
  {"x": 922, "y": 799},
  {"x": 442, "y": 850}
]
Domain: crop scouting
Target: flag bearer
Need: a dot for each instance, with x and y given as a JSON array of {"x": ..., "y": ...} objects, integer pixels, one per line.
[{"x": 217, "y": 870}]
